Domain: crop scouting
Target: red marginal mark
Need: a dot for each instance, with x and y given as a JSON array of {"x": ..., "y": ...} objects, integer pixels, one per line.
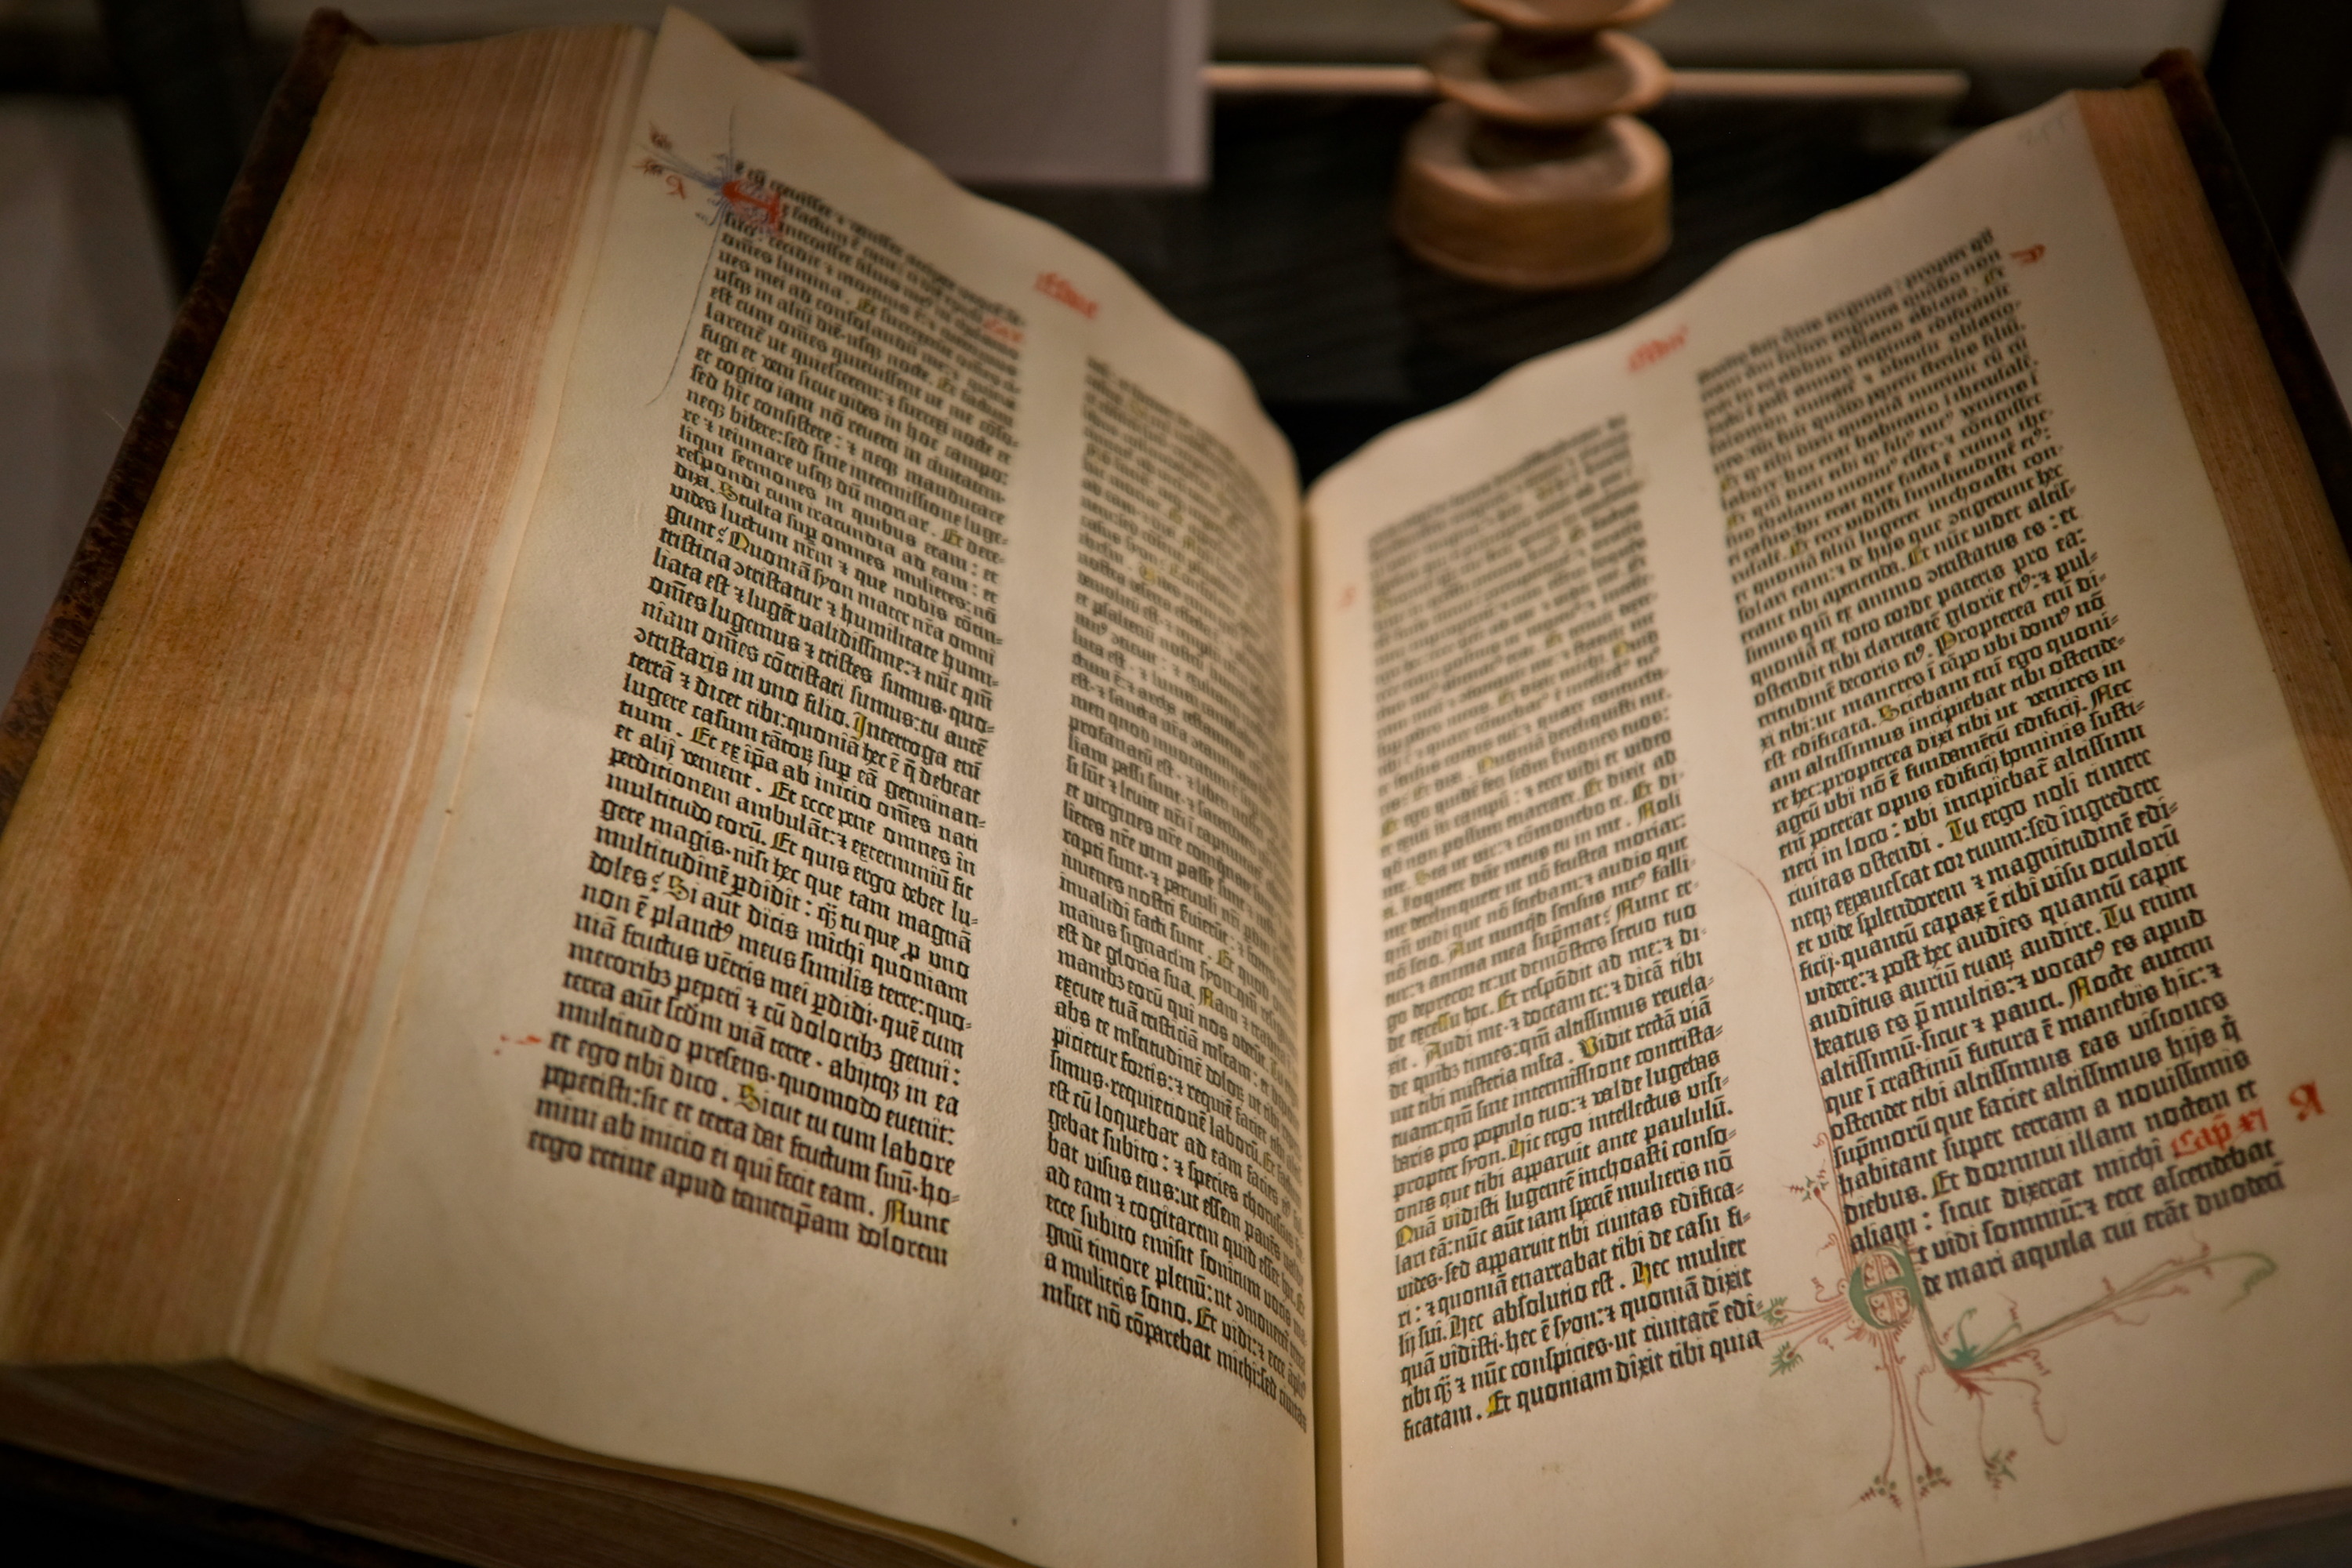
[
  {"x": 2305, "y": 1097},
  {"x": 1656, "y": 349},
  {"x": 1060, "y": 290},
  {"x": 1348, "y": 597},
  {"x": 757, "y": 206},
  {"x": 2214, "y": 1135},
  {"x": 2029, "y": 254}
]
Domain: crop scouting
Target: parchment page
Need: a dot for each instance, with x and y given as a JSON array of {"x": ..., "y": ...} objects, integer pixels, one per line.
[
  {"x": 854, "y": 1043},
  {"x": 1836, "y": 961}
]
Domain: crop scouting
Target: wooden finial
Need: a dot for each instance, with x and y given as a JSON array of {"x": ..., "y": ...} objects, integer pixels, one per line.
[{"x": 1534, "y": 173}]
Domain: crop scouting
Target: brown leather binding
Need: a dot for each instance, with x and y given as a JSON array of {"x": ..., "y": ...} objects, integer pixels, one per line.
[{"x": 2318, "y": 407}]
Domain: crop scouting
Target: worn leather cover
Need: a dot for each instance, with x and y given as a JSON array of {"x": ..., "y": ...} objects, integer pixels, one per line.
[{"x": 2318, "y": 407}]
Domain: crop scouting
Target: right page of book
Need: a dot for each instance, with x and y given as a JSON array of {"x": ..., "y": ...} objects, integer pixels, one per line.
[{"x": 1835, "y": 958}]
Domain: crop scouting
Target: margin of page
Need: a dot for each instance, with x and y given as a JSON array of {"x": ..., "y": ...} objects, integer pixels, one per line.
[{"x": 286, "y": 1295}]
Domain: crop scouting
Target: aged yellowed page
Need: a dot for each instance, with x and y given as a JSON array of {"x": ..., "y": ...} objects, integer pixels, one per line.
[
  {"x": 284, "y": 1298},
  {"x": 1836, "y": 956},
  {"x": 855, "y": 1039}
]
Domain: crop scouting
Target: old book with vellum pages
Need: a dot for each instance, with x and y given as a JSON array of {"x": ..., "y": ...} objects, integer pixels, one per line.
[{"x": 732, "y": 872}]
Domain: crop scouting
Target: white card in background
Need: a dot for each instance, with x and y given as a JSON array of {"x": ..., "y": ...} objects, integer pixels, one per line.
[{"x": 1060, "y": 92}]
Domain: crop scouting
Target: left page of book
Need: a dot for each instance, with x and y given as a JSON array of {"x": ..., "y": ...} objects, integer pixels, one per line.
[{"x": 854, "y": 1043}]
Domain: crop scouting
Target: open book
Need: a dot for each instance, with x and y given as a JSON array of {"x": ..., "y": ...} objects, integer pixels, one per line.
[{"x": 733, "y": 867}]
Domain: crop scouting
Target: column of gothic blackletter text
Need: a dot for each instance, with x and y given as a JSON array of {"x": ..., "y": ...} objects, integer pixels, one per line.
[{"x": 1832, "y": 942}]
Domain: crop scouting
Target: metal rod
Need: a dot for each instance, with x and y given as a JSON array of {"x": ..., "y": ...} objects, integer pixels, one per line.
[
  {"x": 1243, "y": 78},
  {"x": 1246, "y": 80}
]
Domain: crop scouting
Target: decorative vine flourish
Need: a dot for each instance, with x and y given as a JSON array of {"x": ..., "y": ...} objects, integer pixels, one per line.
[
  {"x": 1876, "y": 1298},
  {"x": 732, "y": 189}
]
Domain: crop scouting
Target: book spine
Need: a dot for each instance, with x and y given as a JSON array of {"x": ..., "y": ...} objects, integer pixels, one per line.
[{"x": 2310, "y": 389}]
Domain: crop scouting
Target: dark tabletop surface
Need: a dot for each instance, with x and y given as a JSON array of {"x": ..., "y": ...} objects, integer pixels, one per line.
[{"x": 1285, "y": 259}]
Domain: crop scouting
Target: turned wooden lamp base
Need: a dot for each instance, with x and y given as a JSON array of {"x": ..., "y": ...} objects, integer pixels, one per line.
[{"x": 1533, "y": 209}]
